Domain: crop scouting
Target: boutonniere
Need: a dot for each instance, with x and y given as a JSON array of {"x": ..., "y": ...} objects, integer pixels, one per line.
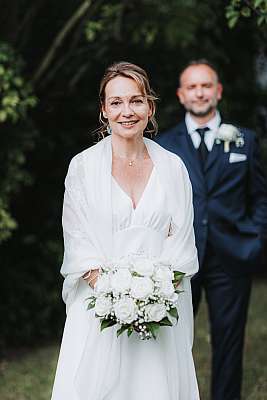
[{"x": 229, "y": 133}]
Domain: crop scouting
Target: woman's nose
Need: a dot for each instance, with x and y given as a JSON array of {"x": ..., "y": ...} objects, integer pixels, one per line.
[{"x": 127, "y": 110}]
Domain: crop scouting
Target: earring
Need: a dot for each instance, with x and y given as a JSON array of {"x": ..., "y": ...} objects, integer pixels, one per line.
[{"x": 109, "y": 130}]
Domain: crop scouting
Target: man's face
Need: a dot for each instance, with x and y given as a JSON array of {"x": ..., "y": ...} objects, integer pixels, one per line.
[{"x": 199, "y": 90}]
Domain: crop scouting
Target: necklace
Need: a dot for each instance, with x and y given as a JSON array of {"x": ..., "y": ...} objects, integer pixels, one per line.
[{"x": 132, "y": 161}]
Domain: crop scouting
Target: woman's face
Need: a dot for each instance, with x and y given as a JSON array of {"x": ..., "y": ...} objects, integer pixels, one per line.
[{"x": 126, "y": 108}]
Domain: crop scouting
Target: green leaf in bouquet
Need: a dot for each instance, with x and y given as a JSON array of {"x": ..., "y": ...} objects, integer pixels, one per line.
[
  {"x": 178, "y": 276},
  {"x": 130, "y": 331},
  {"x": 90, "y": 298},
  {"x": 122, "y": 329},
  {"x": 173, "y": 313},
  {"x": 165, "y": 322},
  {"x": 153, "y": 327},
  {"x": 136, "y": 274},
  {"x": 91, "y": 305},
  {"x": 106, "y": 323}
]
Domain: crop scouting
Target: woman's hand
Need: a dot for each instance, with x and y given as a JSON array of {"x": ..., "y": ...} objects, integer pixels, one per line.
[
  {"x": 177, "y": 284},
  {"x": 91, "y": 277}
]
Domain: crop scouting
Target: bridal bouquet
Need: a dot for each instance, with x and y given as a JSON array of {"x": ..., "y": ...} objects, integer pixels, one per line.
[{"x": 137, "y": 294}]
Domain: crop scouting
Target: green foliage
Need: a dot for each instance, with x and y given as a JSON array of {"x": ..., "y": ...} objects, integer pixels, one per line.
[
  {"x": 107, "y": 24},
  {"x": 107, "y": 323},
  {"x": 16, "y": 95},
  {"x": 16, "y": 99},
  {"x": 123, "y": 328},
  {"x": 153, "y": 328},
  {"x": 174, "y": 313},
  {"x": 16, "y": 141},
  {"x": 246, "y": 8},
  {"x": 7, "y": 223}
]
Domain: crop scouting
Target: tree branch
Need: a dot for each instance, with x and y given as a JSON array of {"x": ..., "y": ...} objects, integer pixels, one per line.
[
  {"x": 47, "y": 60},
  {"x": 24, "y": 28}
]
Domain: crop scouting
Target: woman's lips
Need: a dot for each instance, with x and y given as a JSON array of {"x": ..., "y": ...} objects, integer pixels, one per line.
[{"x": 128, "y": 124}]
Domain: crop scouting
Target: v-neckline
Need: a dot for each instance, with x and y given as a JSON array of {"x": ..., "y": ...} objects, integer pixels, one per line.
[{"x": 143, "y": 193}]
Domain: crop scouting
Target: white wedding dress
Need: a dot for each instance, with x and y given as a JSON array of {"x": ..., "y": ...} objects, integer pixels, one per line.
[{"x": 161, "y": 369}]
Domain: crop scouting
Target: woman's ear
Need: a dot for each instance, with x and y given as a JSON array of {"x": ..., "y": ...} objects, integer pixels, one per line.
[
  {"x": 103, "y": 111},
  {"x": 150, "y": 112}
]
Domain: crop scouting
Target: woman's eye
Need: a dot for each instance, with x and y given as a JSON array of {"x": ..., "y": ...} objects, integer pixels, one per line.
[
  {"x": 138, "y": 101},
  {"x": 115, "y": 103}
]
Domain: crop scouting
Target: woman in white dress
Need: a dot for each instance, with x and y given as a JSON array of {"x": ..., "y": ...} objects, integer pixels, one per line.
[{"x": 124, "y": 196}]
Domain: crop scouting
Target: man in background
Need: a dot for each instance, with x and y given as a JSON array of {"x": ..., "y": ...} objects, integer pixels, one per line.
[{"x": 230, "y": 205}]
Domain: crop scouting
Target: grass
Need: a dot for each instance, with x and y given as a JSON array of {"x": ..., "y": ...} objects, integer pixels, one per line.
[
  {"x": 29, "y": 376},
  {"x": 255, "y": 352}
]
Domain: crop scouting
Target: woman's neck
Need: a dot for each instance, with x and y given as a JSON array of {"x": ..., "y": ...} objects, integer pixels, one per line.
[{"x": 133, "y": 148}]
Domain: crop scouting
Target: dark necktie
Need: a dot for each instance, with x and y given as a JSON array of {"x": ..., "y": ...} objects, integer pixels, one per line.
[{"x": 203, "y": 151}]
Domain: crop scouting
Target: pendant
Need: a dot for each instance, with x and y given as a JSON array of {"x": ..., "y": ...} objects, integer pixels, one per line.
[{"x": 130, "y": 163}]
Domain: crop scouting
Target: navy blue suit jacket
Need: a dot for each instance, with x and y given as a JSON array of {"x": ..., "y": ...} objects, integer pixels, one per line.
[{"x": 230, "y": 199}]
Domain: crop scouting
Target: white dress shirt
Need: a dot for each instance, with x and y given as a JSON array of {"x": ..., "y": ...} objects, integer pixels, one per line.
[{"x": 213, "y": 125}]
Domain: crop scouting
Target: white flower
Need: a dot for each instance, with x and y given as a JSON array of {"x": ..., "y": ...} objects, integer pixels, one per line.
[
  {"x": 121, "y": 281},
  {"x": 124, "y": 265},
  {"x": 155, "y": 312},
  {"x": 108, "y": 266},
  {"x": 103, "y": 306},
  {"x": 141, "y": 287},
  {"x": 144, "y": 267},
  {"x": 102, "y": 284},
  {"x": 166, "y": 289},
  {"x": 163, "y": 274},
  {"x": 125, "y": 310},
  {"x": 227, "y": 132}
]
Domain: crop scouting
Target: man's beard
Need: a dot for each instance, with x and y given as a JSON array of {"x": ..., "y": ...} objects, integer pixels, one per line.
[{"x": 201, "y": 113}]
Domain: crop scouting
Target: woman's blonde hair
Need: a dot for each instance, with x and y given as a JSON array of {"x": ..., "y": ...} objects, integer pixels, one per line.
[{"x": 132, "y": 71}]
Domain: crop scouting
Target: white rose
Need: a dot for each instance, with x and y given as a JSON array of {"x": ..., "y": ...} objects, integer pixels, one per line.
[
  {"x": 144, "y": 267},
  {"x": 102, "y": 284},
  {"x": 121, "y": 281},
  {"x": 124, "y": 265},
  {"x": 141, "y": 287},
  {"x": 125, "y": 310},
  {"x": 108, "y": 266},
  {"x": 103, "y": 306},
  {"x": 163, "y": 274},
  {"x": 166, "y": 289},
  {"x": 227, "y": 132},
  {"x": 155, "y": 312}
]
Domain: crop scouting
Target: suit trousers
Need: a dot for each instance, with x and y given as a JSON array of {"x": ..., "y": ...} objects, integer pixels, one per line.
[{"x": 227, "y": 298}]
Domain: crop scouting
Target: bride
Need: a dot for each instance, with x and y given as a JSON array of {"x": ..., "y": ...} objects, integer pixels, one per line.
[{"x": 125, "y": 195}]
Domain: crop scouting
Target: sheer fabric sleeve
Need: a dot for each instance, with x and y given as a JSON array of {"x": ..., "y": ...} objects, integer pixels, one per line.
[
  {"x": 80, "y": 252},
  {"x": 179, "y": 246}
]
